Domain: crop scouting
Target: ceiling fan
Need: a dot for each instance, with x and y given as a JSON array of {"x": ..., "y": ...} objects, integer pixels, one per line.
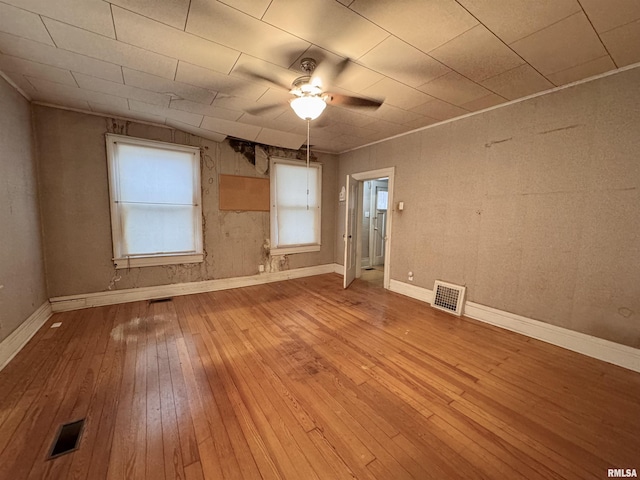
[{"x": 309, "y": 90}]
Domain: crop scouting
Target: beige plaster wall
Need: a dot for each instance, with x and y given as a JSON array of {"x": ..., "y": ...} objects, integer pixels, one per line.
[
  {"x": 535, "y": 206},
  {"x": 75, "y": 204},
  {"x": 22, "y": 283}
]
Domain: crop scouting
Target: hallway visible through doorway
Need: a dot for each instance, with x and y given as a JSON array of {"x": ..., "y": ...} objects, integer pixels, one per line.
[
  {"x": 373, "y": 275},
  {"x": 374, "y": 219}
]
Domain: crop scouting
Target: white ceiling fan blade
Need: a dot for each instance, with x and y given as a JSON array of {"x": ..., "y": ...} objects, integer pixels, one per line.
[{"x": 326, "y": 74}]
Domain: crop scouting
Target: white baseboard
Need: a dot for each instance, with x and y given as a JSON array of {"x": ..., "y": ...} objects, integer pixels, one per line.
[
  {"x": 412, "y": 291},
  {"x": 595, "y": 347},
  {"x": 11, "y": 345},
  {"x": 75, "y": 302},
  {"x": 601, "y": 349}
]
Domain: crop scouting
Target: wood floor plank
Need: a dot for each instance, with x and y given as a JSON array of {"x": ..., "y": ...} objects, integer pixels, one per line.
[
  {"x": 354, "y": 453},
  {"x": 99, "y": 425},
  {"x": 202, "y": 364},
  {"x": 302, "y": 379},
  {"x": 194, "y": 472},
  {"x": 184, "y": 418},
  {"x": 539, "y": 451},
  {"x": 265, "y": 464},
  {"x": 78, "y": 394},
  {"x": 42, "y": 412},
  {"x": 31, "y": 372},
  {"x": 172, "y": 453},
  {"x": 208, "y": 456},
  {"x": 27, "y": 449},
  {"x": 124, "y": 438},
  {"x": 154, "y": 427},
  {"x": 281, "y": 436},
  {"x": 32, "y": 358}
]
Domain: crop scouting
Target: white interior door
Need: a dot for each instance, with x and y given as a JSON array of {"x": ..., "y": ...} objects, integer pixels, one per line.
[
  {"x": 350, "y": 244},
  {"x": 379, "y": 225}
]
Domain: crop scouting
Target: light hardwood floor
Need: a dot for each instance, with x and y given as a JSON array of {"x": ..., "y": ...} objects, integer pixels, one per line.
[{"x": 301, "y": 380}]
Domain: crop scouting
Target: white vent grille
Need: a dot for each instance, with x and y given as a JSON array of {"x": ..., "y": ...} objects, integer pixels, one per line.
[{"x": 448, "y": 297}]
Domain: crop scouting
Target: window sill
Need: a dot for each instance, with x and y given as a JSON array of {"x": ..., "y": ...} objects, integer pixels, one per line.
[
  {"x": 298, "y": 249},
  {"x": 157, "y": 261}
]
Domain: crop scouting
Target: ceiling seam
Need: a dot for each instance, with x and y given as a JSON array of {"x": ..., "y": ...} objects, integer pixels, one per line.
[
  {"x": 147, "y": 17},
  {"x": 544, "y": 28},
  {"x": 113, "y": 22},
  {"x": 75, "y": 53},
  {"x": 384, "y": 75},
  {"x": 502, "y": 105},
  {"x": 597, "y": 34},
  {"x": 48, "y": 32},
  {"x": 378, "y": 44},
  {"x": 635, "y": 20},
  {"x": 164, "y": 25},
  {"x": 581, "y": 64},
  {"x": 426, "y": 53},
  {"x": 175, "y": 72},
  {"x": 186, "y": 18},
  {"x": 74, "y": 78},
  {"x": 266, "y": 10},
  {"x": 508, "y": 46}
]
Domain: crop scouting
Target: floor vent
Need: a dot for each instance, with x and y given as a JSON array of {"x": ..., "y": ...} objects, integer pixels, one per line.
[
  {"x": 448, "y": 297},
  {"x": 67, "y": 439},
  {"x": 160, "y": 300}
]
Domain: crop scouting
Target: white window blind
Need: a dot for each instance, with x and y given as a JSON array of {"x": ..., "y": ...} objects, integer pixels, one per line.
[
  {"x": 155, "y": 202},
  {"x": 295, "y": 213}
]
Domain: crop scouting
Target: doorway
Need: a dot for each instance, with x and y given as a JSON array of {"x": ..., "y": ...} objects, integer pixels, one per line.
[
  {"x": 368, "y": 219},
  {"x": 375, "y": 201}
]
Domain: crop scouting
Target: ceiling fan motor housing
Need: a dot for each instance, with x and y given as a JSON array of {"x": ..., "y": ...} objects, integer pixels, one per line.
[
  {"x": 302, "y": 87},
  {"x": 308, "y": 65}
]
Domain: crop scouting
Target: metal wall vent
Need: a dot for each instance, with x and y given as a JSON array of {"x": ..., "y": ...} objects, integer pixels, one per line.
[
  {"x": 160, "y": 300},
  {"x": 448, "y": 297}
]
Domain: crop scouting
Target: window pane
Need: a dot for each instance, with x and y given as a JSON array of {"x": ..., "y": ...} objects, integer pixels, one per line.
[
  {"x": 383, "y": 200},
  {"x": 153, "y": 175},
  {"x": 291, "y": 185},
  {"x": 152, "y": 229},
  {"x": 294, "y": 223},
  {"x": 297, "y": 226}
]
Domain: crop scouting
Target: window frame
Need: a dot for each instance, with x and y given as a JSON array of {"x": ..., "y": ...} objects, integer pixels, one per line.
[
  {"x": 151, "y": 259},
  {"x": 273, "y": 215}
]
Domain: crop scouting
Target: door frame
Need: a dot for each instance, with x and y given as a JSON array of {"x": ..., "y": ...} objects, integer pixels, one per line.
[
  {"x": 374, "y": 234},
  {"x": 361, "y": 177},
  {"x": 351, "y": 271}
]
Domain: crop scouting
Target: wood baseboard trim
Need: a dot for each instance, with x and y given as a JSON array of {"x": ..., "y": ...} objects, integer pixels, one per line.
[
  {"x": 75, "y": 302},
  {"x": 11, "y": 345},
  {"x": 605, "y": 350}
]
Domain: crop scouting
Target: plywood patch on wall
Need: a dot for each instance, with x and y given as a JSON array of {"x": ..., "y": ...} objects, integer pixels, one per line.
[{"x": 240, "y": 193}]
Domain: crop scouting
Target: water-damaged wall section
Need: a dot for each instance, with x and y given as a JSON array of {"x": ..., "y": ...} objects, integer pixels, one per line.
[{"x": 75, "y": 203}]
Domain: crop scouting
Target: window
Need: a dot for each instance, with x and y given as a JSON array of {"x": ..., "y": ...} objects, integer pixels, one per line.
[
  {"x": 156, "y": 213},
  {"x": 295, "y": 213}
]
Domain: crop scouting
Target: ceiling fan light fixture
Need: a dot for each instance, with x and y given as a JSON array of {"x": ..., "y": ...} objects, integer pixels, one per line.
[{"x": 308, "y": 107}]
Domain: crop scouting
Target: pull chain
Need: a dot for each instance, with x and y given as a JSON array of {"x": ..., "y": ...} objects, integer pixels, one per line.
[{"x": 308, "y": 122}]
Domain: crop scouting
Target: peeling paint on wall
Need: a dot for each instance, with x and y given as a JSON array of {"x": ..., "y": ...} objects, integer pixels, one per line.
[
  {"x": 117, "y": 126},
  {"x": 233, "y": 242},
  {"x": 112, "y": 284},
  {"x": 273, "y": 263}
]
